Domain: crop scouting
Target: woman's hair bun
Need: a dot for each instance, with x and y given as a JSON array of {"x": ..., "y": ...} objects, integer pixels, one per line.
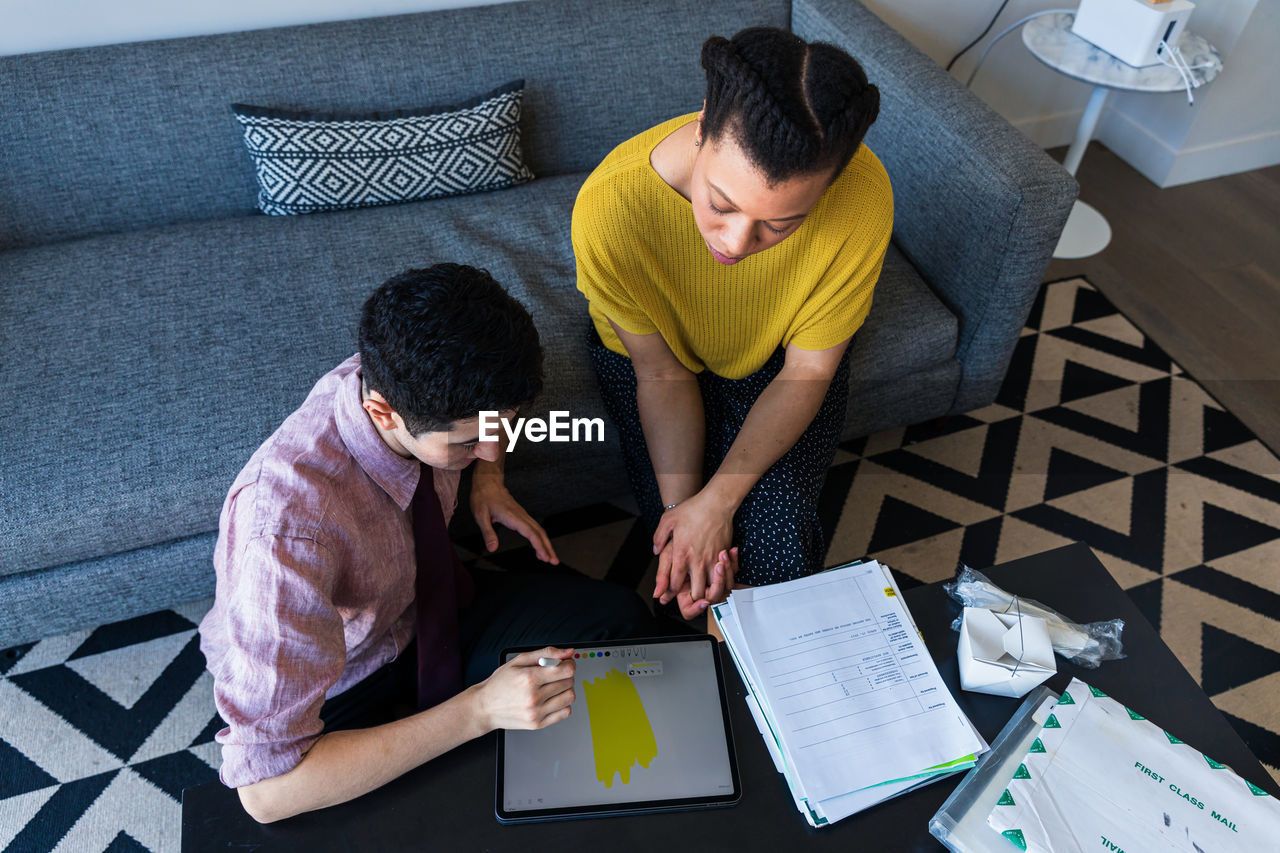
[{"x": 794, "y": 107}]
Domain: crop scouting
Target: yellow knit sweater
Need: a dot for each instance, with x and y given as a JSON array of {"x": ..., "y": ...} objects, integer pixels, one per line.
[{"x": 643, "y": 264}]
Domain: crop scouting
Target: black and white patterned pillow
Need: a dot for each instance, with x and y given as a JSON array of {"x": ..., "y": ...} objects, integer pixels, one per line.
[{"x": 307, "y": 162}]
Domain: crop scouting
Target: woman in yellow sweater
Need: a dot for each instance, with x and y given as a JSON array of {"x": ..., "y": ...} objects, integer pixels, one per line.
[{"x": 728, "y": 257}]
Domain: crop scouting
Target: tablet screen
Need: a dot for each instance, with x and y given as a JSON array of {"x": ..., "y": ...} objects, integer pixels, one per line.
[{"x": 649, "y": 730}]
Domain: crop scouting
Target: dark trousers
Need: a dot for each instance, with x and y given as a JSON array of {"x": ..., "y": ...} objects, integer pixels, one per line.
[
  {"x": 510, "y": 609},
  {"x": 777, "y": 527}
]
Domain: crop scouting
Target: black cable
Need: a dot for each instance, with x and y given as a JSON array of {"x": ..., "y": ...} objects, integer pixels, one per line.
[{"x": 980, "y": 37}]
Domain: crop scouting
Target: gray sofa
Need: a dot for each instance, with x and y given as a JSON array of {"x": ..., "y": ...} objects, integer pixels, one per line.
[{"x": 156, "y": 328}]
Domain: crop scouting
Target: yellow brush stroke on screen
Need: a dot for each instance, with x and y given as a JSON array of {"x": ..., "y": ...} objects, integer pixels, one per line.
[{"x": 620, "y": 732}]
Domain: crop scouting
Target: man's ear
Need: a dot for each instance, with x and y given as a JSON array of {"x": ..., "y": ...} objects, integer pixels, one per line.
[{"x": 380, "y": 412}]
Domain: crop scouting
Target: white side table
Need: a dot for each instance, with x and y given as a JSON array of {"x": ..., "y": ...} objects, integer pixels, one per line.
[{"x": 1049, "y": 38}]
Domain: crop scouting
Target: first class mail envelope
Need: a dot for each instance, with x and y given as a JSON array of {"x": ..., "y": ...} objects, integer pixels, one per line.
[{"x": 1100, "y": 777}]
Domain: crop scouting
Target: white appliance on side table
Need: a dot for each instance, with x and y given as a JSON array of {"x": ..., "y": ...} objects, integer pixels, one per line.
[{"x": 1051, "y": 40}]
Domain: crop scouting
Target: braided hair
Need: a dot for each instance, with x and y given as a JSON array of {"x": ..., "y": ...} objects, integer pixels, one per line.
[{"x": 793, "y": 107}]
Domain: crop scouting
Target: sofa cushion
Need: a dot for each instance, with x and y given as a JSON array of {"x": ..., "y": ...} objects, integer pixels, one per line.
[
  {"x": 908, "y": 329},
  {"x": 151, "y": 365},
  {"x": 309, "y": 162}
]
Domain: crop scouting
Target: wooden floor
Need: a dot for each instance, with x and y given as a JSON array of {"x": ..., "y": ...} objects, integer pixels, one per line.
[{"x": 1196, "y": 267}]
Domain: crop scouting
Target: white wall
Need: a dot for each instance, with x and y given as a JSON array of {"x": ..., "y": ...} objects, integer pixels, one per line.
[
  {"x": 1039, "y": 101},
  {"x": 1238, "y": 127},
  {"x": 1234, "y": 125},
  {"x": 27, "y": 26},
  {"x": 1235, "y": 122}
]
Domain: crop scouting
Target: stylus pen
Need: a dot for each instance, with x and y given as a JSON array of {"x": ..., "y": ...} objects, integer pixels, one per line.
[{"x": 548, "y": 661}]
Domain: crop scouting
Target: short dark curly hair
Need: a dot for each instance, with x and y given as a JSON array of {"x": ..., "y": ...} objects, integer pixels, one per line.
[
  {"x": 442, "y": 344},
  {"x": 794, "y": 107}
]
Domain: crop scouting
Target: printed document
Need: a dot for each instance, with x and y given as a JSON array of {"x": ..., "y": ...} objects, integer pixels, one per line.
[{"x": 846, "y": 682}]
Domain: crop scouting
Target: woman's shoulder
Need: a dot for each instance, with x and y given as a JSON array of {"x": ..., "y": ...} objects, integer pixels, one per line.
[
  {"x": 863, "y": 190},
  {"x": 624, "y": 189},
  {"x": 631, "y": 158},
  {"x": 865, "y": 173}
]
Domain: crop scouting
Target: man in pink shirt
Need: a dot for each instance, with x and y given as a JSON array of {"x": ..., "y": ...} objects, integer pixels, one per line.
[{"x": 330, "y": 557}]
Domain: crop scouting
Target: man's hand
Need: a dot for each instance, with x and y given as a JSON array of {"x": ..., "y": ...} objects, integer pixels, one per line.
[
  {"x": 689, "y": 539},
  {"x": 347, "y": 763},
  {"x": 491, "y": 503},
  {"x": 523, "y": 695}
]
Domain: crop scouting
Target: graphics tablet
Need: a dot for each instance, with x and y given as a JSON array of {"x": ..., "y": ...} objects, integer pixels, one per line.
[{"x": 649, "y": 732}]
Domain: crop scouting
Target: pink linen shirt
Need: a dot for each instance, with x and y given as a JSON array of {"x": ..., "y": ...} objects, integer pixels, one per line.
[{"x": 315, "y": 573}]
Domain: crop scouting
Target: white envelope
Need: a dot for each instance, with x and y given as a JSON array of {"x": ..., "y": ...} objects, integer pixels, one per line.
[
  {"x": 1101, "y": 778},
  {"x": 1003, "y": 653}
]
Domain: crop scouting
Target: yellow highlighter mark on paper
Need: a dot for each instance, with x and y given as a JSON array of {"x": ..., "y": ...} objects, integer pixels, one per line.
[{"x": 620, "y": 732}]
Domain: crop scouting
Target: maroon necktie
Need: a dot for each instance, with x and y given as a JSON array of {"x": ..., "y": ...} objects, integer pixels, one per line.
[{"x": 441, "y": 587}]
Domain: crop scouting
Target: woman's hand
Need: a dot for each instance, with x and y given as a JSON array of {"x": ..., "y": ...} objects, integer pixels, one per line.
[
  {"x": 722, "y": 581},
  {"x": 491, "y": 502},
  {"x": 689, "y": 540}
]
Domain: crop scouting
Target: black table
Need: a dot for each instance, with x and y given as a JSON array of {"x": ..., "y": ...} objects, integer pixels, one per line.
[{"x": 447, "y": 804}]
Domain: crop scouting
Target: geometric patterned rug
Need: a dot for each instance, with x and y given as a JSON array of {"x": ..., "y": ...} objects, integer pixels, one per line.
[{"x": 1096, "y": 436}]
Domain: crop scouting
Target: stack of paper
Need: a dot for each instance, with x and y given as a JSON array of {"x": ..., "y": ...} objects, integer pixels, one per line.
[{"x": 843, "y": 690}]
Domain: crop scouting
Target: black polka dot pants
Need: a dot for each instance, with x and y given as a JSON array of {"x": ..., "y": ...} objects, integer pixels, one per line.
[{"x": 777, "y": 527}]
